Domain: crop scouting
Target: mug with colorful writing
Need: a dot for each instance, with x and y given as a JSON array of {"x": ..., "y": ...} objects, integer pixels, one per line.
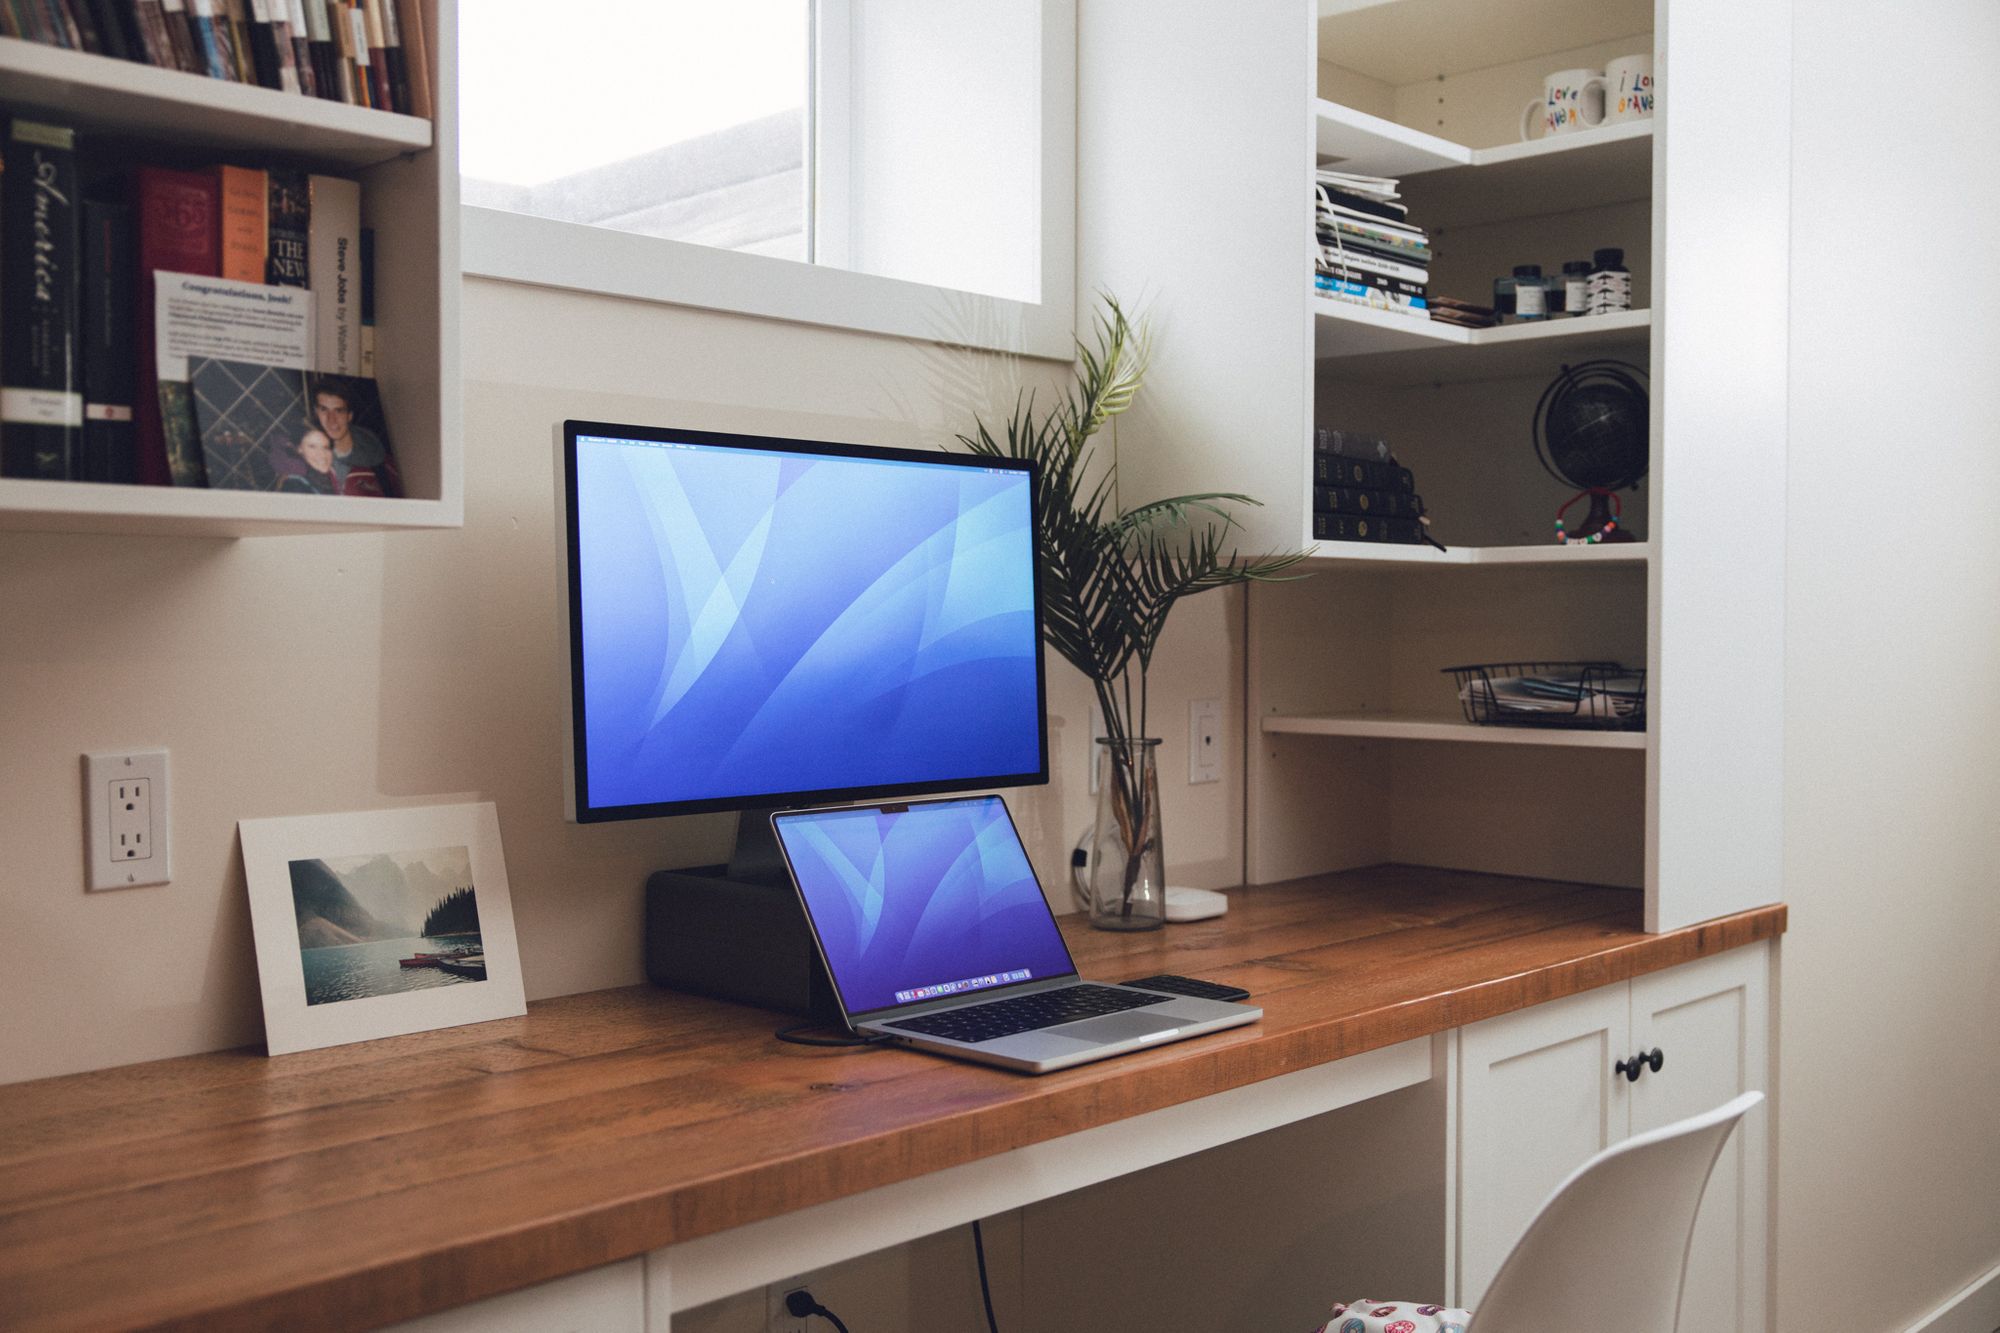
[
  {"x": 1628, "y": 88},
  {"x": 1571, "y": 100}
]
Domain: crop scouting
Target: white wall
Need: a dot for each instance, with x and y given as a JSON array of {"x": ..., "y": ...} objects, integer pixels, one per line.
[
  {"x": 1888, "y": 1142},
  {"x": 292, "y": 675}
]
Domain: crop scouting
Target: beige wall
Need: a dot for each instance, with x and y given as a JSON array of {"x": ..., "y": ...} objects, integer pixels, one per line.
[
  {"x": 291, "y": 675},
  {"x": 1888, "y": 1141}
]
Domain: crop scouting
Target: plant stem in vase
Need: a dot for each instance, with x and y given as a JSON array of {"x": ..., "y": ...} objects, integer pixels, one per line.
[{"x": 1128, "y": 889}]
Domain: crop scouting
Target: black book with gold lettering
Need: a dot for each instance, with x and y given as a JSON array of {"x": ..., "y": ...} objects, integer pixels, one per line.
[
  {"x": 1353, "y": 500},
  {"x": 41, "y": 394},
  {"x": 1367, "y": 528}
]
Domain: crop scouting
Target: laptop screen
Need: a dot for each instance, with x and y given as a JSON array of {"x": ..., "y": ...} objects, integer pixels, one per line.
[{"x": 922, "y": 901}]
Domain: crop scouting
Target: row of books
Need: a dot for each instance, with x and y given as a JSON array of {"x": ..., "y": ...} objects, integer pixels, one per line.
[
  {"x": 363, "y": 52},
  {"x": 1369, "y": 253},
  {"x": 1360, "y": 492},
  {"x": 189, "y": 328}
]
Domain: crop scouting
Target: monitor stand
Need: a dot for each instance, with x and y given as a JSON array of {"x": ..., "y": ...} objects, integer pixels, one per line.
[{"x": 737, "y": 932}]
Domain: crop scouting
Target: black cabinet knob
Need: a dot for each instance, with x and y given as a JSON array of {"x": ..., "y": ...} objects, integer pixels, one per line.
[{"x": 1654, "y": 1060}]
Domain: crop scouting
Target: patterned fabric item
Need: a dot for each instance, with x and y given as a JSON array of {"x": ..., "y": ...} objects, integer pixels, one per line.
[{"x": 1365, "y": 1316}]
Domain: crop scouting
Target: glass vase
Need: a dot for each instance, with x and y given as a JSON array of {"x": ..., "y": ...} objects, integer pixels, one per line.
[{"x": 1128, "y": 882}]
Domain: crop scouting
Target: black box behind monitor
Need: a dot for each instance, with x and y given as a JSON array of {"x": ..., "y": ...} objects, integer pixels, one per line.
[{"x": 735, "y": 940}]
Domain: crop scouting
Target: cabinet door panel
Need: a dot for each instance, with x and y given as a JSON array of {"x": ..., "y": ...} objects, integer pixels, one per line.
[
  {"x": 1711, "y": 1022},
  {"x": 1536, "y": 1099}
]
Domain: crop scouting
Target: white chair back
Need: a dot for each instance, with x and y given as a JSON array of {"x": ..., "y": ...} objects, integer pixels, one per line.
[{"x": 1609, "y": 1248}]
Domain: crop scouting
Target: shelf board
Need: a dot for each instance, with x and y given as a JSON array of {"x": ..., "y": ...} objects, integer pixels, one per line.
[
  {"x": 1449, "y": 185},
  {"x": 1362, "y": 555},
  {"x": 1371, "y": 146},
  {"x": 1378, "y": 347},
  {"x": 1588, "y": 169},
  {"x": 93, "y": 92},
  {"x": 77, "y": 506},
  {"x": 1379, "y": 726},
  {"x": 1415, "y": 41}
]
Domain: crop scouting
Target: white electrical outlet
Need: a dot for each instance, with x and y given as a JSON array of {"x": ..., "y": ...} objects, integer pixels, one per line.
[
  {"x": 1096, "y": 730},
  {"x": 125, "y": 820},
  {"x": 1205, "y": 740},
  {"x": 777, "y": 1319}
]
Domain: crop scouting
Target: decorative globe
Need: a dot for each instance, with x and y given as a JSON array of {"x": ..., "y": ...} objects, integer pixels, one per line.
[{"x": 1591, "y": 426}]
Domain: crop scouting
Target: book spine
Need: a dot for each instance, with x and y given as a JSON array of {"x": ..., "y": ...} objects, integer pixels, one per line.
[
  {"x": 1350, "y": 444},
  {"x": 416, "y": 54},
  {"x": 1357, "y": 277},
  {"x": 379, "y": 88},
  {"x": 245, "y": 229},
  {"x": 1362, "y": 474},
  {"x": 1362, "y": 528},
  {"x": 287, "y": 225},
  {"x": 179, "y": 232},
  {"x": 149, "y": 22},
  {"x": 41, "y": 398},
  {"x": 392, "y": 50},
  {"x": 63, "y": 24},
  {"x": 207, "y": 31},
  {"x": 319, "y": 40},
  {"x": 1374, "y": 298},
  {"x": 106, "y": 452},
  {"x": 246, "y": 59},
  {"x": 368, "y": 302},
  {"x": 334, "y": 265},
  {"x": 83, "y": 21},
  {"x": 181, "y": 37},
  {"x": 302, "y": 55},
  {"x": 1381, "y": 504}
]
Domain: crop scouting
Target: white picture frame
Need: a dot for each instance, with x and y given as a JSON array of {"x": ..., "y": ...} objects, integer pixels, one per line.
[{"x": 367, "y": 875}]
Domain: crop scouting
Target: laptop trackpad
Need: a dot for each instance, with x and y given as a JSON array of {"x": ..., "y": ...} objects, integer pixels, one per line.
[{"x": 1118, "y": 1027}]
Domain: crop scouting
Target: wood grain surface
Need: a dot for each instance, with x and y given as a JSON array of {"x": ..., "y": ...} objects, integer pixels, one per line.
[{"x": 352, "y": 1187}]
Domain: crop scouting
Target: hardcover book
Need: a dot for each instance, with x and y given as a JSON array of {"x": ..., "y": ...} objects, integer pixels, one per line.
[
  {"x": 1381, "y": 504},
  {"x": 107, "y": 452},
  {"x": 333, "y": 265},
  {"x": 1332, "y": 471},
  {"x": 41, "y": 394},
  {"x": 179, "y": 232},
  {"x": 288, "y": 225},
  {"x": 244, "y": 200},
  {"x": 1364, "y": 528}
]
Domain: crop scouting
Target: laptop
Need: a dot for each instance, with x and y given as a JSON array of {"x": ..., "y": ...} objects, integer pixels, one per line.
[{"x": 936, "y": 935}]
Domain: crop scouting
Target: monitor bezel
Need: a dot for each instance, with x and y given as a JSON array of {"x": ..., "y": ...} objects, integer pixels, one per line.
[{"x": 583, "y": 812}]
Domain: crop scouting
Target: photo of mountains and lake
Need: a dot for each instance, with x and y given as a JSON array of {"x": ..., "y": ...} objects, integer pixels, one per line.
[{"x": 387, "y": 922}]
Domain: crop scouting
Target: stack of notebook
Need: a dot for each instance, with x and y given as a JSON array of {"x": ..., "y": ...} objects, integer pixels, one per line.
[{"x": 1369, "y": 254}]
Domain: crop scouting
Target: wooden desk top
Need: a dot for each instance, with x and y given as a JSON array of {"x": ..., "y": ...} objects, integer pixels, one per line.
[{"x": 370, "y": 1183}]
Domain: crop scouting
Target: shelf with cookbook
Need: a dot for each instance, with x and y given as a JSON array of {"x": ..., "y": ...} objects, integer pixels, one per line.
[
  {"x": 169, "y": 167},
  {"x": 1262, "y": 383}
]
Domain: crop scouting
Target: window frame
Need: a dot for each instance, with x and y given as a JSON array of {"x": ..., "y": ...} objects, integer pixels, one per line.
[{"x": 573, "y": 256}]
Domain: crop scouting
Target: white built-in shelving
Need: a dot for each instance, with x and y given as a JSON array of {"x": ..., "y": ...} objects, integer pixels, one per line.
[
  {"x": 1342, "y": 667},
  {"x": 1383, "y": 347},
  {"x": 408, "y": 169},
  {"x": 1450, "y": 730}
]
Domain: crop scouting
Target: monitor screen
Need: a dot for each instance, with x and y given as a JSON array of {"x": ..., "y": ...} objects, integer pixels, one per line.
[
  {"x": 767, "y": 622},
  {"x": 923, "y": 901}
]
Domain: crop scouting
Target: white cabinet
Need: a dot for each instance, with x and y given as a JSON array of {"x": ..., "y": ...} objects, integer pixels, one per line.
[
  {"x": 611, "y": 1299},
  {"x": 1536, "y": 1093}
]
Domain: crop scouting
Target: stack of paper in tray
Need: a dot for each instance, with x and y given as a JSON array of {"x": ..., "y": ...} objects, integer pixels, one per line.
[{"x": 1369, "y": 254}]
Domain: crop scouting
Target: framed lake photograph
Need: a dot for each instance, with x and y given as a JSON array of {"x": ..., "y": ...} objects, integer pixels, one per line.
[{"x": 380, "y": 922}]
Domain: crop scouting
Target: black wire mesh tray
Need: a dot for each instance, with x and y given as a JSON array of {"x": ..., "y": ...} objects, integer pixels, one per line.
[{"x": 1590, "y": 696}]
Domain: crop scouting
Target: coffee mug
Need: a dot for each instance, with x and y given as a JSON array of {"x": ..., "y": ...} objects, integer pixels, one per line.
[
  {"x": 1628, "y": 88},
  {"x": 1571, "y": 100}
]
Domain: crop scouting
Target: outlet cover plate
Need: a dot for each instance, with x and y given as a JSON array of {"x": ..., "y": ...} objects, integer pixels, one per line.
[
  {"x": 1204, "y": 740},
  {"x": 125, "y": 820}
]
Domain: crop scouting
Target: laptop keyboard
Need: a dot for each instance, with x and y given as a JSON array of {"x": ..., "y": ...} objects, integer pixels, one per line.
[{"x": 1027, "y": 1013}]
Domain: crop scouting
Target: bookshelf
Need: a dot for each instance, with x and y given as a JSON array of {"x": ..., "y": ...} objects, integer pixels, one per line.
[
  {"x": 408, "y": 169},
  {"x": 1356, "y": 753}
]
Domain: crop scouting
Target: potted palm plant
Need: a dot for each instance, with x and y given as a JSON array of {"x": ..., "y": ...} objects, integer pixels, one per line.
[{"x": 1110, "y": 578}]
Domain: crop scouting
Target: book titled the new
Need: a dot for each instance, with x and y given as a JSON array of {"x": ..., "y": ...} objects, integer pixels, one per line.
[{"x": 333, "y": 257}]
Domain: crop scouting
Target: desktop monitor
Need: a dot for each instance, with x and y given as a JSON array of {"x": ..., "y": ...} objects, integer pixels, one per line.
[{"x": 758, "y": 622}]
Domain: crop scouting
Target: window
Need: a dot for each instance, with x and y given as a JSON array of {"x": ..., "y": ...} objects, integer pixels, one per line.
[{"x": 917, "y": 154}]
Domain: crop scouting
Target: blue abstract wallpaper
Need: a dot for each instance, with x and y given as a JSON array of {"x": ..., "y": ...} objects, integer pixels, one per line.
[
  {"x": 758, "y": 622},
  {"x": 938, "y": 900}
]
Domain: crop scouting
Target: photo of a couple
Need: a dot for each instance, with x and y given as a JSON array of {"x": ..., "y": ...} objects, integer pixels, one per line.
[{"x": 266, "y": 428}]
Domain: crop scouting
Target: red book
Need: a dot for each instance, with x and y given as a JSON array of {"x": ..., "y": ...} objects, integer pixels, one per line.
[{"x": 180, "y": 231}]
